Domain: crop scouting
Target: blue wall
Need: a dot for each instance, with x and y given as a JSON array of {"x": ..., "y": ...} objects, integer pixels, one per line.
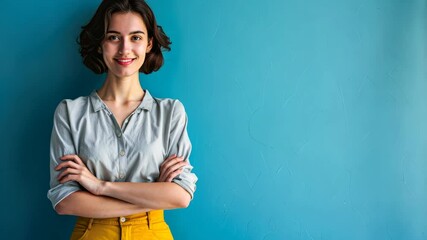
[{"x": 308, "y": 118}]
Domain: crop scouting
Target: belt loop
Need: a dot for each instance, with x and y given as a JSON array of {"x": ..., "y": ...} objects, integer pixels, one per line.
[
  {"x": 89, "y": 226},
  {"x": 148, "y": 220}
]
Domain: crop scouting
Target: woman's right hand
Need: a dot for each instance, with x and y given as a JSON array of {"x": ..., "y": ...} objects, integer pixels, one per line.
[
  {"x": 73, "y": 169},
  {"x": 170, "y": 168}
]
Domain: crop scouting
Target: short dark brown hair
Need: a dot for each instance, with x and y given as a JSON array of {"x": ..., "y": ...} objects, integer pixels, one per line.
[{"x": 93, "y": 34}]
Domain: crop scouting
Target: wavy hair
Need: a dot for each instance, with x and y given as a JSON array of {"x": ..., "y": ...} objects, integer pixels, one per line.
[{"x": 94, "y": 32}]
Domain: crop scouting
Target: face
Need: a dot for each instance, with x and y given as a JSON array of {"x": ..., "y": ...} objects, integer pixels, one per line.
[{"x": 125, "y": 45}]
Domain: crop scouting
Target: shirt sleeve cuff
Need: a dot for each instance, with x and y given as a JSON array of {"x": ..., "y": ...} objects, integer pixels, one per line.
[
  {"x": 61, "y": 191},
  {"x": 187, "y": 181}
]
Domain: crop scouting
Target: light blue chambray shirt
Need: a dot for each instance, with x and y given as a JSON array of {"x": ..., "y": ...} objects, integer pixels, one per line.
[{"x": 132, "y": 153}]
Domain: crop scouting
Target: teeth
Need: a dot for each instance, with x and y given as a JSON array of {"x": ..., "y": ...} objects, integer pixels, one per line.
[{"x": 124, "y": 60}]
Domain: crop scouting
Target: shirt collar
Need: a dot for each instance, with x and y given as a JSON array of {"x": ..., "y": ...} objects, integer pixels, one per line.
[
  {"x": 98, "y": 104},
  {"x": 96, "y": 101},
  {"x": 147, "y": 101}
]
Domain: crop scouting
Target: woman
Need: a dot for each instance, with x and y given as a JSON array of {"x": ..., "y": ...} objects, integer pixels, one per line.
[{"x": 120, "y": 156}]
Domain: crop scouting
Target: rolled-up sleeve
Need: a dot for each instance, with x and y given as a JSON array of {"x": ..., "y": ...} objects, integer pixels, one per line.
[
  {"x": 179, "y": 144},
  {"x": 61, "y": 144}
]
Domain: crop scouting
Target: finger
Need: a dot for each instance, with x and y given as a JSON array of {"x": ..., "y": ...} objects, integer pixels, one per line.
[
  {"x": 69, "y": 177},
  {"x": 168, "y": 159},
  {"x": 174, "y": 174},
  {"x": 67, "y": 157},
  {"x": 68, "y": 164},
  {"x": 72, "y": 157},
  {"x": 169, "y": 166},
  {"x": 68, "y": 171},
  {"x": 175, "y": 167},
  {"x": 172, "y": 169},
  {"x": 166, "y": 171},
  {"x": 160, "y": 179},
  {"x": 171, "y": 162}
]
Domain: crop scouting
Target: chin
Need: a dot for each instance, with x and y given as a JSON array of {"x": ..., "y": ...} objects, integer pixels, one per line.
[{"x": 124, "y": 74}]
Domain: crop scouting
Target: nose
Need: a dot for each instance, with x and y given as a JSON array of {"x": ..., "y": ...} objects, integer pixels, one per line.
[{"x": 125, "y": 47}]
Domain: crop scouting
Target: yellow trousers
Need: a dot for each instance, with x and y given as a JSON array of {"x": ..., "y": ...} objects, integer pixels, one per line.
[{"x": 146, "y": 226}]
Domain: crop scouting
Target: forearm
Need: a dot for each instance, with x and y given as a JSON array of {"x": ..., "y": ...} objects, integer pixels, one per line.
[
  {"x": 85, "y": 204},
  {"x": 157, "y": 195}
]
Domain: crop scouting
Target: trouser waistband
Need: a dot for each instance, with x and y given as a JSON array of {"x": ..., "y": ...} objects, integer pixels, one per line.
[{"x": 146, "y": 218}]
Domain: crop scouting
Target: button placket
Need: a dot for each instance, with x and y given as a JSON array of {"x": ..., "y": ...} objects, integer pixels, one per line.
[
  {"x": 121, "y": 160},
  {"x": 122, "y": 153},
  {"x": 118, "y": 133},
  {"x": 121, "y": 157}
]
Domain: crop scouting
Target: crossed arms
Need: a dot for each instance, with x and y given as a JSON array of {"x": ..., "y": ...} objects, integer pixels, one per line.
[{"x": 113, "y": 199}]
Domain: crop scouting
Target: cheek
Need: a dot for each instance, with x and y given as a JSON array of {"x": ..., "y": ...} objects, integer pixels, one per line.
[
  {"x": 108, "y": 50},
  {"x": 142, "y": 49},
  {"x": 107, "y": 55}
]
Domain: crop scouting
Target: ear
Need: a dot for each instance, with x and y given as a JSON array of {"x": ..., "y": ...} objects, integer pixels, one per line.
[{"x": 149, "y": 46}]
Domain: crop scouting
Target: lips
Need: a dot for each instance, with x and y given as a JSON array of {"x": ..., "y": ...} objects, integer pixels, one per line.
[{"x": 125, "y": 61}]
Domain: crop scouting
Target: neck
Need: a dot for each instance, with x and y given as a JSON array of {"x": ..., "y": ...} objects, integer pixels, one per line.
[{"x": 121, "y": 90}]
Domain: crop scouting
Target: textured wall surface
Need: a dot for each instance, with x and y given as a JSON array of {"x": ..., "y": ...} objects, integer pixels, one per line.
[{"x": 308, "y": 118}]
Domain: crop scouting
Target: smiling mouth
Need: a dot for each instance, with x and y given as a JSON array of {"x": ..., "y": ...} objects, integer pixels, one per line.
[{"x": 124, "y": 61}]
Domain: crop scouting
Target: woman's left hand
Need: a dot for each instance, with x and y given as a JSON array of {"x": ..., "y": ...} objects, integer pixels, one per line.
[
  {"x": 170, "y": 168},
  {"x": 76, "y": 170}
]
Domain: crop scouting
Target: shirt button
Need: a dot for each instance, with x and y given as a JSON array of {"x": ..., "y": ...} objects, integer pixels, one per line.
[
  {"x": 122, "y": 153},
  {"x": 119, "y": 134},
  {"x": 122, "y": 219},
  {"x": 121, "y": 176}
]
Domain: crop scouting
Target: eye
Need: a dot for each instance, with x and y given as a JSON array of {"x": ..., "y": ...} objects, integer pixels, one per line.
[
  {"x": 113, "y": 38},
  {"x": 136, "y": 38}
]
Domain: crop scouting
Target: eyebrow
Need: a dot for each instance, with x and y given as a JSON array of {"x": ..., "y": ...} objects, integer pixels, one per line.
[{"x": 134, "y": 32}]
